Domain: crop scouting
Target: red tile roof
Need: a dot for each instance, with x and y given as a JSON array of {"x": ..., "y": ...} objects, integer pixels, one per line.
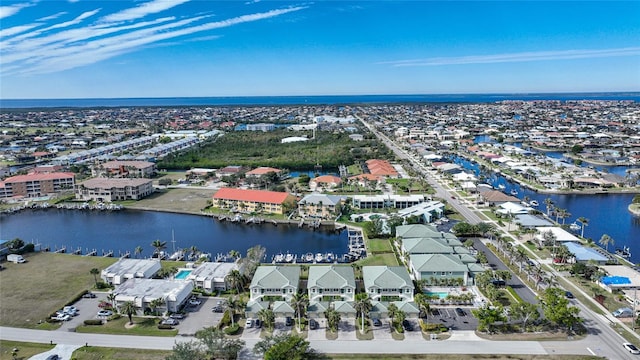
[
  {"x": 39, "y": 177},
  {"x": 261, "y": 196},
  {"x": 263, "y": 170},
  {"x": 327, "y": 179},
  {"x": 381, "y": 167}
]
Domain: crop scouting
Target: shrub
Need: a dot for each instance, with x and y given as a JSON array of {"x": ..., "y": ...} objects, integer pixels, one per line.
[
  {"x": 226, "y": 320},
  {"x": 114, "y": 317},
  {"x": 232, "y": 330},
  {"x": 431, "y": 327},
  {"x": 165, "y": 327},
  {"x": 93, "y": 322},
  {"x": 102, "y": 285}
]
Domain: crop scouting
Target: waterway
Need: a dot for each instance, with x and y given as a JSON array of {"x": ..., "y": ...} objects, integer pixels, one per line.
[
  {"x": 123, "y": 231},
  {"x": 607, "y": 213}
]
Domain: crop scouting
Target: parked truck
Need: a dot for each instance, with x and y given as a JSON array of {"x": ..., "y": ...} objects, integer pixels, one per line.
[{"x": 15, "y": 258}]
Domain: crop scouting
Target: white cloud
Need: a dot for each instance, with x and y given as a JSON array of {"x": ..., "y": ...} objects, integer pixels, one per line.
[
  {"x": 151, "y": 7},
  {"x": 517, "y": 57},
  {"x": 69, "y": 49},
  {"x": 75, "y": 21},
  {"x": 6, "y": 11},
  {"x": 52, "y": 17},
  {"x": 17, "y": 29}
]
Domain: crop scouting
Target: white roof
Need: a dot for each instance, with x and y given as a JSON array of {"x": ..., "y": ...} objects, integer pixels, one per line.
[
  {"x": 560, "y": 233},
  {"x": 212, "y": 271}
]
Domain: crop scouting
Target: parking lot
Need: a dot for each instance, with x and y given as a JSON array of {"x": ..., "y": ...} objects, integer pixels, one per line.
[
  {"x": 448, "y": 317},
  {"x": 204, "y": 318},
  {"x": 87, "y": 309}
]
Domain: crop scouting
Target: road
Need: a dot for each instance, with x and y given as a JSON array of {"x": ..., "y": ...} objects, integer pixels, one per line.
[{"x": 602, "y": 339}]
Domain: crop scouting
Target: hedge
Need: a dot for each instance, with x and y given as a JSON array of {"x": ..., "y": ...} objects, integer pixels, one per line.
[
  {"x": 232, "y": 330},
  {"x": 93, "y": 322},
  {"x": 165, "y": 326}
]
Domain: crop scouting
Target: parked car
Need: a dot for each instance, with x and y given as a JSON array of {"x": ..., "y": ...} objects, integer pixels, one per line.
[
  {"x": 313, "y": 324},
  {"x": 170, "y": 321},
  {"x": 62, "y": 317},
  {"x": 407, "y": 325},
  {"x": 376, "y": 322},
  {"x": 631, "y": 348},
  {"x": 194, "y": 302},
  {"x": 217, "y": 309},
  {"x": 460, "y": 312},
  {"x": 105, "y": 313},
  {"x": 623, "y": 312},
  {"x": 568, "y": 294},
  {"x": 288, "y": 321},
  {"x": 71, "y": 310},
  {"x": 257, "y": 323},
  {"x": 498, "y": 282},
  {"x": 89, "y": 295},
  {"x": 248, "y": 324},
  {"x": 177, "y": 316}
]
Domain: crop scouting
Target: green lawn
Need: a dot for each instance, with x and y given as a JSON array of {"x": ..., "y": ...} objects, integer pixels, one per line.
[
  {"x": 96, "y": 353},
  {"x": 142, "y": 327},
  {"x": 25, "y": 349},
  {"x": 388, "y": 259},
  {"x": 380, "y": 245}
]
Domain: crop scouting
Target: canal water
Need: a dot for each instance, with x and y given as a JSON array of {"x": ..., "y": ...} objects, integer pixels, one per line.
[
  {"x": 122, "y": 231},
  {"x": 607, "y": 213}
]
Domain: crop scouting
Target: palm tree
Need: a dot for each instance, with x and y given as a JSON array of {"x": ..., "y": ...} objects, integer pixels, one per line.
[
  {"x": 129, "y": 308},
  {"x": 267, "y": 317},
  {"x": 333, "y": 319},
  {"x": 112, "y": 299},
  {"x": 393, "y": 312},
  {"x": 362, "y": 305},
  {"x": 423, "y": 305},
  {"x": 235, "y": 280},
  {"x": 95, "y": 272},
  {"x": 300, "y": 301},
  {"x": 138, "y": 250},
  {"x": 584, "y": 222},
  {"x": 235, "y": 254},
  {"x": 233, "y": 305},
  {"x": 156, "y": 303},
  {"x": 159, "y": 246},
  {"x": 549, "y": 203},
  {"x": 421, "y": 284},
  {"x": 605, "y": 240}
]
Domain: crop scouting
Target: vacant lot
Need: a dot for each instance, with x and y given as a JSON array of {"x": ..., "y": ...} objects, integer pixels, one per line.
[
  {"x": 31, "y": 291},
  {"x": 178, "y": 200}
]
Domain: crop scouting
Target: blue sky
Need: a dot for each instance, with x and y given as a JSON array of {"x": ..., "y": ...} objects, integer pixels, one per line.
[{"x": 172, "y": 48}]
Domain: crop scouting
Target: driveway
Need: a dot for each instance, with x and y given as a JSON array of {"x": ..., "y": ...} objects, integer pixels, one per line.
[
  {"x": 320, "y": 332},
  {"x": 199, "y": 317},
  {"x": 447, "y": 316},
  {"x": 251, "y": 333},
  {"x": 347, "y": 329},
  {"x": 414, "y": 335},
  {"x": 63, "y": 351},
  {"x": 280, "y": 327},
  {"x": 382, "y": 332}
]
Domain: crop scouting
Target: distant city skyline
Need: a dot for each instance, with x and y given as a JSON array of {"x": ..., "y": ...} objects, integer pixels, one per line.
[{"x": 183, "y": 48}]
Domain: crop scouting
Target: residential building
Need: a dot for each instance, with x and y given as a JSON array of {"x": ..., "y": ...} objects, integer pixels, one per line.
[
  {"x": 387, "y": 283},
  {"x": 107, "y": 190},
  {"x": 253, "y": 200},
  {"x": 36, "y": 184},
  {"x": 125, "y": 169},
  {"x": 324, "y": 182},
  {"x": 261, "y": 127},
  {"x": 495, "y": 197},
  {"x": 210, "y": 276},
  {"x": 320, "y": 206},
  {"x": 387, "y": 201},
  {"x": 263, "y": 170},
  {"x": 439, "y": 269},
  {"x": 275, "y": 283},
  {"x": 331, "y": 283},
  {"x": 381, "y": 168},
  {"x": 142, "y": 292},
  {"x": 125, "y": 269},
  {"x": 427, "y": 211}
]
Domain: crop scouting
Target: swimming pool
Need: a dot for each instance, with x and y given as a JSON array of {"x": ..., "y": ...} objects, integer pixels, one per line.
[
  {"x": 441, "y": 295},
  {"x": 182, "y": 274}
]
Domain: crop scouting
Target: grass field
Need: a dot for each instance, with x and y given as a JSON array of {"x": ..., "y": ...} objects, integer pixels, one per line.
[
  {"x": 380, "y": 246},
  {"x": 95, "y": 353},
  {"x": 142, "y": 327},
  {"x": 179, "y": 200},
  {"x": 25, "y": 349},
  {"x": 388, "y": 259},
  {"x": 31, "y": 291}
]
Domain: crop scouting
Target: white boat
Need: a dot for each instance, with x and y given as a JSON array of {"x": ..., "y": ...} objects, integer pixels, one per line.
[
  {"x": 329, "y": 257},
  {"x": 574, "y": 226},
  {"x": 514, "y": 192},
  {"x": 308, "y": 257},
  {"x": 319, "y": 257},
  {"x": 289, "y": 258},
  {"x": 533, "y": 203},
  {"x": 501, "y": 187},
  {"x": 279, "y": 258}
]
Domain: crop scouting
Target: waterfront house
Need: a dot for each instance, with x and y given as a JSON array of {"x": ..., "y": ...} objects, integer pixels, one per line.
[
  {"x": 387, "y": 201},
  {"x": 381, "y": 168},
  {"x": 495, "y": 197},
  {"x": 432, "y": 245},
  {"x": 426, "y": 211},
  {"x": 416, "y": 231},
  {"x": 107, "y": 190},
  {"x": 320, "y": 206},
  {"x": 249, "y": 201},
  {"x": 329, "y": 283},
  {"x": 142, "y": 292},
  {"x": 125, "y": 269},
  {"x": 210, "y": 276},
  {"x": 365, "y": 180},
  {"x": 260, "y": 171},
  {"x": 36, "y": 184},
  {"x": 324, "y": 182},
  {"x": 387, "y": 283},
  {"x": 275, "y": 283}
]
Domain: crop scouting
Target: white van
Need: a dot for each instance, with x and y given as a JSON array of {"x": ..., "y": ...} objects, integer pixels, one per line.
[
  {"x": 623, "y": 312},
  {"x": 15, "y": 258}
]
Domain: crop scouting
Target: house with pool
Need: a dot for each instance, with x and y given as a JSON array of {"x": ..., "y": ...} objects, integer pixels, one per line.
[
  {"x": 208, "y": 276},
  {"x": 125, "y": 269},
  {"x": 387, "y": 283},
  {"x": 444, "y": 269}
]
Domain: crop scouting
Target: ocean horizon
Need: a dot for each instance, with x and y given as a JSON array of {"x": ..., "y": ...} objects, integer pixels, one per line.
[{"x": 309, "y": 100}]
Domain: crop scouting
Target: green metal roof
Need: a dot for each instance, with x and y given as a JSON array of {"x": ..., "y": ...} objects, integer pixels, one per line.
[
  {"x": 386, "y": 277},
  {"x": 276, "y": 277},
  {"x": 437, "y": 262},
  {"x": 282, "y": 307},
  {"x": 344, "y": 307},
  {"x": 331, "y": 277},
  {"x": 416, "y": 230}
]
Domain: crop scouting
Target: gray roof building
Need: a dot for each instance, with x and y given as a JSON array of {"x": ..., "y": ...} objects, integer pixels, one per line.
[
  {"x": 143, "y": 291},
  {"x": 275, "y": 281},
  {"x": 387, "y": 282},
  {"x": 331, "y": 282},
  {"x": 125, "y": 269}
]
